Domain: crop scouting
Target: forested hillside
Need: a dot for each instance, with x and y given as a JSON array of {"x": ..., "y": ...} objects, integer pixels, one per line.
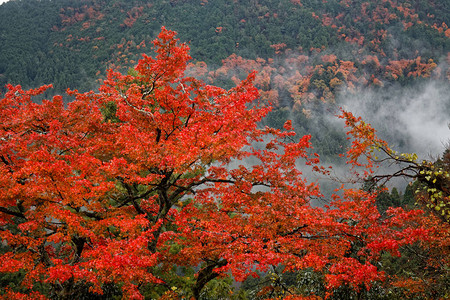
[{"x": 327, "y": 42}]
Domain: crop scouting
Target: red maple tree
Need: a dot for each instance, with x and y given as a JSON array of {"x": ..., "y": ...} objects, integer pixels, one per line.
[{"x": 123, "y": 185}]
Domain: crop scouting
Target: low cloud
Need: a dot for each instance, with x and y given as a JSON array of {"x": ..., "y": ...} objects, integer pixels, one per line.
[{"x": 411, "y": 119}]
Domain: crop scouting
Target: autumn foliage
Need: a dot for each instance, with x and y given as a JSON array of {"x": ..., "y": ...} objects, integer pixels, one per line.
[
  {"x": 122, "y": 186},
  {"x": 432, "y": 182}
]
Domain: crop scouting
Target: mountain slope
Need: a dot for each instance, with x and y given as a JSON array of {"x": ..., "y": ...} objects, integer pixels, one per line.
[{"x": 67, "y": 42}]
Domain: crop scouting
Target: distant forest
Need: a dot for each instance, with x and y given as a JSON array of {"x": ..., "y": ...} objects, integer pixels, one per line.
[{"x": 328, "y": 43}]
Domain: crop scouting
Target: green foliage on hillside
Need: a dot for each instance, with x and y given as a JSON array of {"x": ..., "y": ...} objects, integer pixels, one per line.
[{"x": 67, "y": 42}]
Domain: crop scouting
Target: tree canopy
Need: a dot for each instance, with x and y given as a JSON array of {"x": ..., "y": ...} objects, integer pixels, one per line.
[{"x": 158, "y": 184}]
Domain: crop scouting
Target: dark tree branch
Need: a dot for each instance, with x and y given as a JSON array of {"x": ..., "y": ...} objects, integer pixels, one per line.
[
  {"x": 207, "y": 274},
  {"x": 294, "y": 231},
  {"x": 79, "y": 246},
  {"x": 12, "y": 213}
]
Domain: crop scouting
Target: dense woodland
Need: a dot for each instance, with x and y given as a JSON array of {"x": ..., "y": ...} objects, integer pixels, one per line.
[
  {"x": 327, "y": 42},
  {"x": 304, "y": 57}
]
